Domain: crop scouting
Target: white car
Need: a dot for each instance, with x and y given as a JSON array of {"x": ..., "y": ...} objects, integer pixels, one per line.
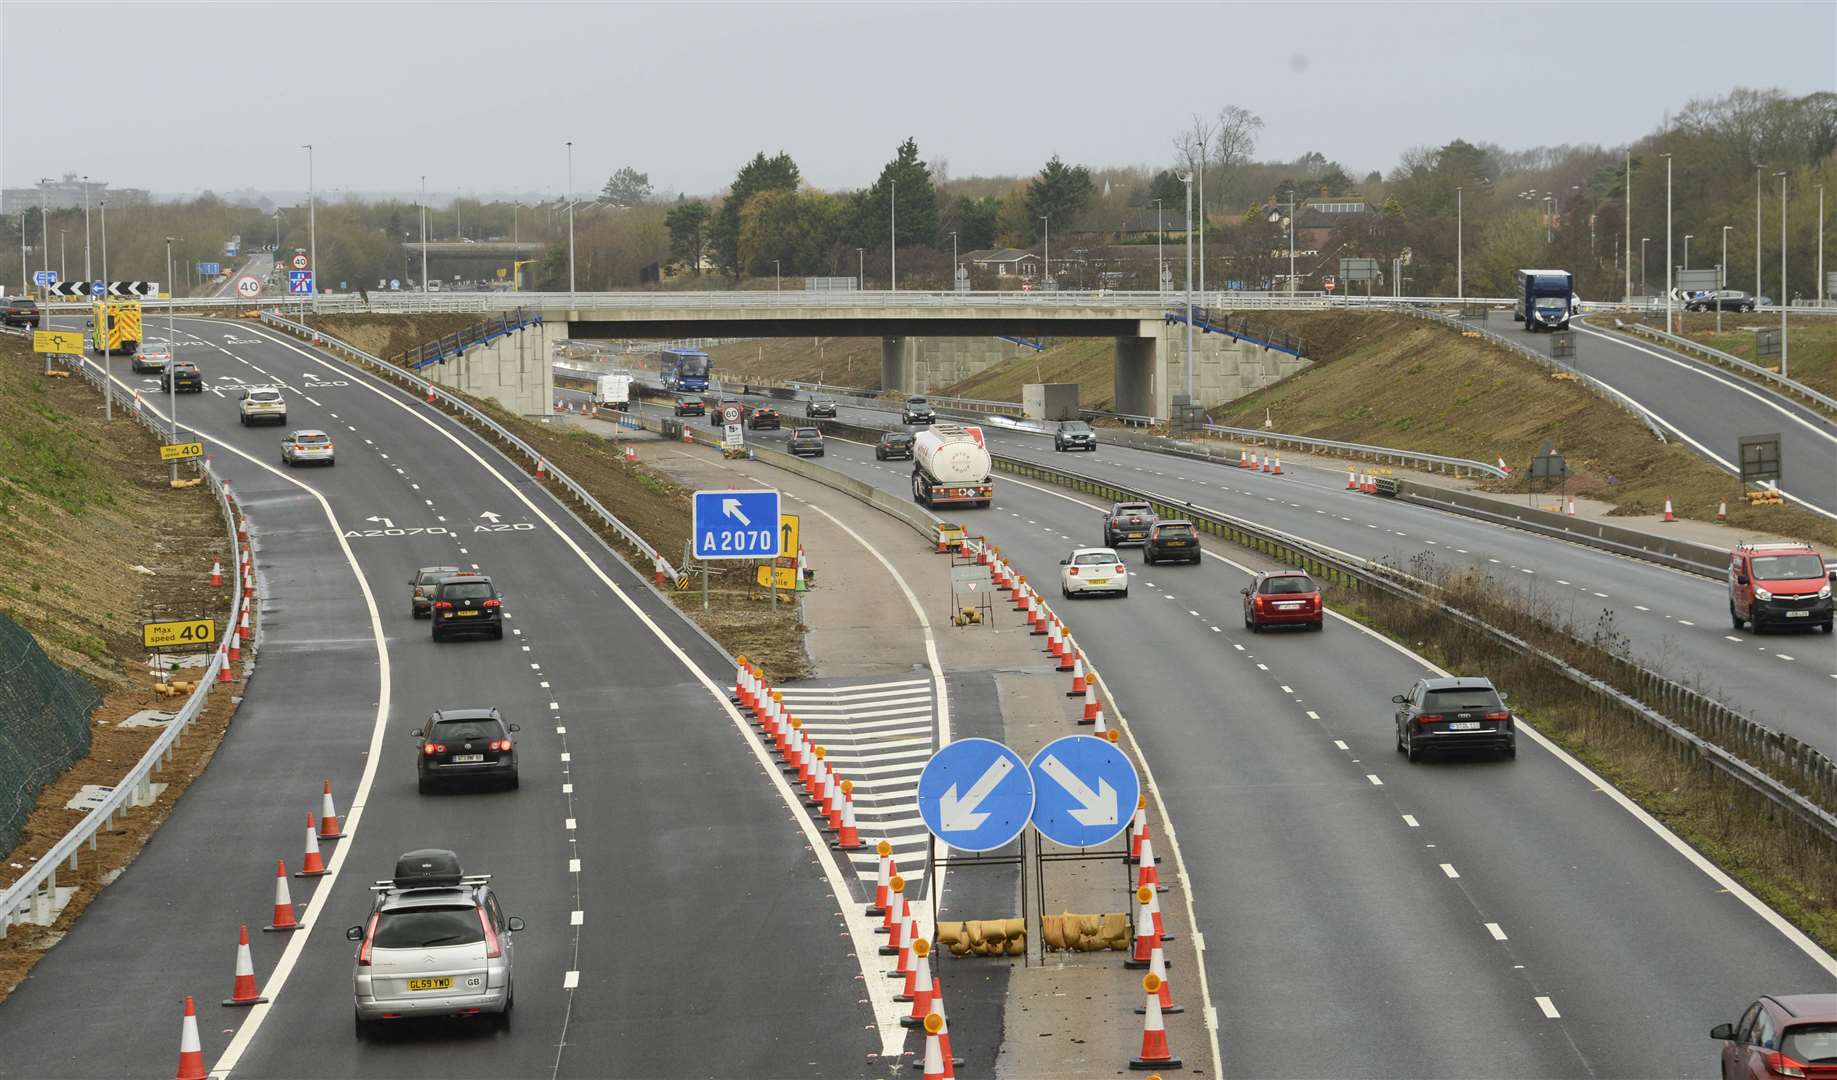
[
  {"x": 1093, "y": 570},
  {"x": 306, "y": 445},
  {"x": 261, "y": 403}
]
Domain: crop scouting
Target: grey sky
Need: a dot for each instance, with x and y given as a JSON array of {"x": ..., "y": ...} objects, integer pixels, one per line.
[{"x": 180, "y": 97}]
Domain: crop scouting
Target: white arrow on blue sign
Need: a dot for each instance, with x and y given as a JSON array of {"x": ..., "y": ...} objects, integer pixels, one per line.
[
  {"x": 44, "y": 277},
  {"x": 299, "y": 281},
  {"x": 975, "y": 795},
  {"x": 1087, "y": 791},
  {"x": 735, "y": 524}
]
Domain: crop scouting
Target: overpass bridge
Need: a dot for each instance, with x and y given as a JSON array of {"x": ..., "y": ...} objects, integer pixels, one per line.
[{"x": 470, "y": 259}]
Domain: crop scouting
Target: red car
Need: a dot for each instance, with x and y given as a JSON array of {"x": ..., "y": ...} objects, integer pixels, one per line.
[
  {"x": 1283, "y": 598},
  {"x": 1781, "y": 1035}
]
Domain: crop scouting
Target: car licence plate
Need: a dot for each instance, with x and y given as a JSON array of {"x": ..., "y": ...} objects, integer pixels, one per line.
[
  {"x": 445, "y": 983},
  {"x": 1288, "y": 607},
  {"x": 1797, "y": 614},
  {"x": 466, "y": 758},
  {"x": 1099, "y": 581},
  {"x": 465, "y": 614},
  {"x": 1464, "y": 725}
]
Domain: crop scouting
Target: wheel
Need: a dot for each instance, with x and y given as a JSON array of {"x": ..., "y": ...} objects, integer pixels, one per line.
[
  {"x": 512, "y": 785},
  {"x": 1148, "y": 558},
  {"x": 436, "y": 632},
  {"x": 1734, "y": 619},
  {"x": 1399, "y": 741},
  {"x": 422, "y": 785},
  {"x": 1065, "y": 592},
  {"x": 1826, "y": 628},
  {"x": 1319, "y": 626},
  {"x": 1409, "y": 748},
  {"x": 243, "y": 420},
  {"x": 497, "y": 634}
]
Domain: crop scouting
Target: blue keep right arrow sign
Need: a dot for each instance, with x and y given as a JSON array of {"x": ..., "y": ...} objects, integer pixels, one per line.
[{"x": 1086, "y": 791}]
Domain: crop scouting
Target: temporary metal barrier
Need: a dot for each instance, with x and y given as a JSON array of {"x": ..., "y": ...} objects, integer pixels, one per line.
[
  {"x": 1388, "y": 455},
  {"x": 34, "y": 895}
]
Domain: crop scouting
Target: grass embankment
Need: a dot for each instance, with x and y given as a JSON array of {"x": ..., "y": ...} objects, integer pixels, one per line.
[
  {"x": 1788, "y": 865},
  {"x": 97, "y": 543},
  {"x": 853, "y": 362},
  {"x": 1811, "y": 340},
  {"x": 386, "y": 335}
]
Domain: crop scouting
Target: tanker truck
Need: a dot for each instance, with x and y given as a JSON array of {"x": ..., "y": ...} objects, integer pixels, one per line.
[{"x": 950, "y": 467}]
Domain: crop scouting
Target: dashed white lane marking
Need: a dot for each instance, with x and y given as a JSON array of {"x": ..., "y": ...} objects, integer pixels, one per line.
[
  {"x": 567, "y": 789},
  {"x": 1497, "y": 933},
  {"x": 1549, "y": 1008},
  {"x": 1236, "y": 646},
  {"x": 1373, "y": 777},
  {"x": 568, "y": 824},
  {"x": 1732, "y": 637},
  {"x": 570, "y": 981},
  {"x": 1602, "y": 595},
  {"x": 1312, "y": 715},
  {"x": 573, "y": 866},
  {"x": 1216, "y": 630},
  {"x": 1448, "y": 868},
  {"x": 1262, "y": 667},
  {"x": 1685, "y": 622},
  {"x": 1560, "y": 581},
  {"x": 1288, "y": 689},
  {"x": 1636, "y": 607},
  {"x": 575, "y": 918},
  {"x": 553, "y": 705},
  {"x": 560, "y": 729},
  {"x": 309, "y": 397},
  {"x": 1782, "y": 656},
  {"x": 1341, "y": 743},
  {"x": 1410, "y": 820},
  {"x": 566, "y": 757}
]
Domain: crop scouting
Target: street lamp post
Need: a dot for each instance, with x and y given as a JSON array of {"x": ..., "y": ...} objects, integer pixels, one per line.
[
  {"x": 1722, "y": 278},
  {"x": 1046, "y": 259},
  {"x": 312, "y": 228},
  {"x": 778, "y": 280},
  {"x": 25, "y": 270},
  {"x": 1643, "y": 287},
  {"x": 570, "y": 225},
  {"x": 172, "y": 357},
  {"x": 1549, "y": 217},
  {"x": 1821, "y": 246},
  {"x": 424, "y": 235},
  {"x": 1188, "y": 364},
  {"x": 1628, "y": 200},
  {"x": 1758, "y": 167},
  {"x": 861, "y": 269},
  {"x": 1460, "y": 291},
  {"x": 108, "y": 355},
  {"x": 1668, "y": 325},
  {"x": 44, "y": 227},
  {"x": 1687, "y": 237},
  {"x": 892, "y": 234},
  {"x": 86, "y": 274},
  {"x": 63, "y": 270},
  {"x": 1782, "y": 297},
  {"x": 953, "y": 259}
]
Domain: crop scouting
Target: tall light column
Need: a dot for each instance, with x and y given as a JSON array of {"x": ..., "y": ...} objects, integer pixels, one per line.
[
  {"x": 1668, "y": 325},
  {"x": 172, "y": 379},
  {"x": 570, "y": 225},
  {"x": 86, "y": 274},
  {"x": 1821, "y": 245},
  {"x": 953, "y": 260},
  {"x": 108, "y": 356},
  {"x": 1628, "y": 199},
  {"x": 893, "y": 234},
  {"x": 1188, "y": 364},
  {"x": 312, "y": 227},
  {"x": 1757, "y": 171},
  {"x": 1643, "y": 287},
  {"x": 1687, "y": 237},
  {"x": 25, "y": 270},
  {"x": 1459, "y": 287},
  {"x": 1782, "y": 297},
  {"x": 424, "y": 235},
  {"x": 44, "y": 228},
  {"x": 1046, "y": 259}
]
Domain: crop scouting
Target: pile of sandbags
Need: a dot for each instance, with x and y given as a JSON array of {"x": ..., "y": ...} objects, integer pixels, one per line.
[
  {"x": 984, "y": 937},
  {"x": 1086, "y": 933}
]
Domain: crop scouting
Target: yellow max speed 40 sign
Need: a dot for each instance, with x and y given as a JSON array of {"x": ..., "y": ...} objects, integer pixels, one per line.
[
  {"x": 178, "y": 633},
  {"x": 181, "y": 451}
]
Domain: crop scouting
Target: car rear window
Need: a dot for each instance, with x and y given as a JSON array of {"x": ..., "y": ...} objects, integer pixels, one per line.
[
  {"x": 1813, "y": 1044},
  {"x": 1477, "y": 700},
  {"x": 896, "y": 440},
  {"x": 471, "y": 590},
  {"x": 26, "y": 305},
  {"x": 1288, "y": 584},
  {"x": 462, "y": 730},
  {"x": 1133, "y": 508},
  {"x": 427, "y": 927},
  {"x": 1788, "y": 567},
  {"x": 428, "y": 577},
  {"x": 309, "y": 439},
  {"x": 1092, "y": 558},
  {"x": 1175, "y": 531},
  {"x": 264, "y": 395}
]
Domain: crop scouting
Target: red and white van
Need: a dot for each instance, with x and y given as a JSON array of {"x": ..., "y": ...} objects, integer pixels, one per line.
[{"x": 1779, "y": 585}]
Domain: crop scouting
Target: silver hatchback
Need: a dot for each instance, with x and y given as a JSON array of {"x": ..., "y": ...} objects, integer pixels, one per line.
[
  {"x": 307, "y": 445},
  {"x": 437, "y": 943}
]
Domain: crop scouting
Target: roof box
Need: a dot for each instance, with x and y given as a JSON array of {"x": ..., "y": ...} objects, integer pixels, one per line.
[{"x": 428, "y": 868}]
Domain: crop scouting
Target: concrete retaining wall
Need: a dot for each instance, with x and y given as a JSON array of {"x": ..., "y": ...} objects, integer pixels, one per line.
[{"x": 516, "y": 370}]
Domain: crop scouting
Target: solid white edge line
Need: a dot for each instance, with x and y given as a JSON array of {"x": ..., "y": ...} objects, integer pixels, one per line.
[
  {"x": 860, "y": 927},
  {"x": 296, "y": 943},
  {"x": 1715, "y": 873}
]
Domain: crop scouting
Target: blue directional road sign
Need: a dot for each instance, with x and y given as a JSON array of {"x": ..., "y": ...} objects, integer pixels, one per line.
[
  {"x": 44, "y": 277},
  {"x": 1087, "y": 791},
  {"x": 736, "y": 524},
  {"x": 98, "y": 289},
  {"x": 299, "y": 281},
  {"x": 395, "y": 283},
  {"x": 209, "y": 269},
  {"x": 975, "y": 795}
]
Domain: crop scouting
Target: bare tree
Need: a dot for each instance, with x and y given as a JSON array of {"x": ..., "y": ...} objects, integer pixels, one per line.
[
  {"x": 1195, "y": 145},
  {"x": 1237, "y": 136}
]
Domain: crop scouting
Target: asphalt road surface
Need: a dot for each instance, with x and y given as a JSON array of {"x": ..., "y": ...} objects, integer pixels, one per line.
[{"x": 694, "y": 935}]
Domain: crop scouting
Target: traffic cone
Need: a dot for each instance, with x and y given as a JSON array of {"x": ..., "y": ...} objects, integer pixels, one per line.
[
  {"x": 242, "y": 628},
  {"x": 542, "y": 468},
  {"x": 1077, "y": 689},
  {"x": 1018, "y": 593},
  {"x": 244, "y": 991},
  {"x": 934, "y": 1050},
  {"x": 1091, "y": 708},
  {"x": 937, "y": 1008},
  {"x": 921, "y": 988},
  {"x": 896, "y": 934},
  {"x": 1371, "y": 483},
  {"x": 328, "y": 816},
  {"x": 283, "y": 903},
  {"x": 740, "y": 695},
  {"x": 1054, "y": 646},
  {"x": 1146, "y": 873},
  {"x": 631, "y": 454},
  {"x": 848, "y": 837},
  {"x": 1100, "y": 729},
  {"x": 223, "y": 669},
  {"x": 191, "y": 1051},
  {"x": 881, "y": 877},
  {"x": 1570, "y": 506},
  {"x": 1146, "y": 940},
  {"x": 216, "y": 575},
  {"x": 1155, "y": 1053},
  {"x": 235, "y": 651},
  {"x": 1722, "y": 510},
  {"x": 1668, "y": 515},
  {"x": 1278, "y": 469},
  {"x": 896, "y": 888},
  {"x": 1157, "y": 966},
  {"x": 1039, "y": 616},
  {"x": 1243, "y": 458},
  {"x": 1070, "y": 654},
  {"x": 1154, "y": 916},
  {"x": 312, "y": 864},
  {"x": 1352, "y": 483},
  {"x": 904, "y": 967},
  {"x": 1138, "y": 828},
  {"x": 1504, "y": 468},
  {"x": 430, "y": 393}
]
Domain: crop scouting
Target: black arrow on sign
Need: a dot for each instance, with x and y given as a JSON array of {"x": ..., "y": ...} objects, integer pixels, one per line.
[{"x": 786, "y": 542}]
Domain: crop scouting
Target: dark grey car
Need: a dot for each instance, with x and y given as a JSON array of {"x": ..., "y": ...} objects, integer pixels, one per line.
[
  {"x": 421, "y": 588},
  {"x": 1454, "y": 714},
  {"x": 1074, "y": 435}
]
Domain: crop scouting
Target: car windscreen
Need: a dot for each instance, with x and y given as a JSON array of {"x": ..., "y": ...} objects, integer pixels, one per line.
[
  {"x": 1075, "y": 427},
  {"x": 464, "y": 731},
  {"x": 427, "y": 927},
  {"x": 1788, "y": 567},
  {"x": 472, "y": 590},
  {"x": 1813, "y": 1044},
  {"x": 1476, "y": 700},
  {"x": 1288, "y": 585},
  {"x": 1092, "y": 558}
]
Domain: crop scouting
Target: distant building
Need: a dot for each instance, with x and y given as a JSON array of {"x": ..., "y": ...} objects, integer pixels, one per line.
[
  {"x": 67, "y": 194},
  {"x": 1004, "y": 262}
]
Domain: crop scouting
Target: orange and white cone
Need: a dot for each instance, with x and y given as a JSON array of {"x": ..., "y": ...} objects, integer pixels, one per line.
[
  {"x": 328, "y": 816},
  {"x": 1146, "y": 940},
  {"x": 235, "y": 652},
  {"x": 848, "y": 837},
  {"x": 1352, "y": 483},
  {"x": 881, "y": 878},
  {"x": 312, "y": 864},
  {"x": 934, "y": 1050},
  {"x": 1278, "y": 469},
  {"x": 1504, "y": 468},
  {"x": 937, "y": 1008},
  {"x": 242, "y": 627},
  {"x": 1091, "y": 708},
  {"x": 1157, "y": 966},
  {"x": 244, "y": 992},
  {"x": 890, "y": 915},
  {"x": 1668, "y": 515},
  {"x": 1722, "y": 510},
  {"x": 921, "y": 986},
  {"x": 1068, "y": 654},
  {"x": 631, "y": 454},
  {"x": 191, "y": 1051},
  {"x": 430, "y": 393},
  {"x": 741, "y": 692},
  {"x": 1146, "y": 874},
  {"x": 283, "y": 902},
  {"x": 223, "y": 669},
  {"x": 1099, "y": 728},
  {"x": 542, "y": 468},
  {"x": 1077, "y": 689},
  {"x": 1155, "y": 1052},
  {"x": 1154, "y": 915},
  {"x": 1138, "y": 828},
  {"x": 1054, "y": 645},
  {"x": 907, "y": 966},
  {"x": 216, "y": 574},
  {"x": 1569, "y": 506}
]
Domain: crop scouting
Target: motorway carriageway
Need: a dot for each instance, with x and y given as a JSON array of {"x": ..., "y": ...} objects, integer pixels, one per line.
[
  {"x": 1470, "y": 917},
  {"x": 665, "y": 880},
  {"x": 1674, "y": 621}
]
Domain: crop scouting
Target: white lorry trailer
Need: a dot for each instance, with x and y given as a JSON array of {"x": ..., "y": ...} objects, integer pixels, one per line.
[{"x": 950, "y": 467}]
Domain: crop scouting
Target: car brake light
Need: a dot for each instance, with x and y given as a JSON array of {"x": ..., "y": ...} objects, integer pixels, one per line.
[
  {"x": 1780, "y": 1065},
  {"x": 491, "y": 936},
  {"x": 501, "y": 745},
  {"x": 432, "y": 748},
  {"x": 1499, "y": 716},
  {"x": 1116, "y": 521},
  {"x": 1429, "y": 718},
  {"x": 1073, "y": 571},
  {"x": 1257, "y": 600},
  {"x": 1121, "y": 569},
  {"x": 363, "y": 951},
  {"x": 443, "y": 605},
  {"x": 492, "y": 603}
]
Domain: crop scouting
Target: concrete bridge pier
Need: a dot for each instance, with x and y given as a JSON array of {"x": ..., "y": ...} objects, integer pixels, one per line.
[
  {"x": 1141, "y": 372},
  {"x": 897, "y": 356},
  {"x": 516, "y": 370}
]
